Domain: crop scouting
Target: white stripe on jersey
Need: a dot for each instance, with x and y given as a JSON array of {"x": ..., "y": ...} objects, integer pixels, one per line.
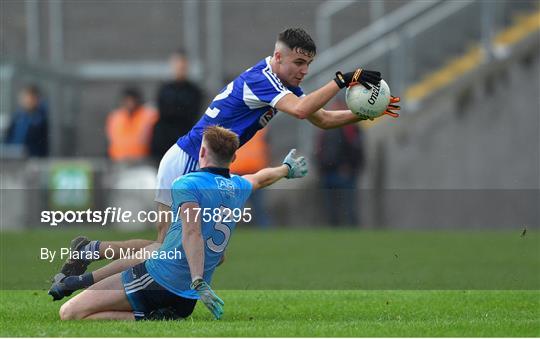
[
  {"x": 250, "y": 99},
  {"x": 273, "y": 80},
  {"x": 193, "y": 166},
  {"x": 188, "y": 164},
  {"x": 268, "y": 71},
  {"x": 278, "y": 97}
]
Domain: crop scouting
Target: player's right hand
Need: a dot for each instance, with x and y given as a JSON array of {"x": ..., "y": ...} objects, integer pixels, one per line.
[
  {"x": 297, "y": 165},
  {"x": 208, "y": 297},
  {"x": 359, "y": 76},
  {"x": 392, "y": 108}
]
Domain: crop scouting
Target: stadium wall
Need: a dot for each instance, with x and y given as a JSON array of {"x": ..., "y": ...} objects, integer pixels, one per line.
[
  {"x": 97, "y": 31},
  {"x": 470, "y": 157}
]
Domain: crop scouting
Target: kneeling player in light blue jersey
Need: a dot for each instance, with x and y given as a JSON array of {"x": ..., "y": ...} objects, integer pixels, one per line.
[
  {"x": 207, "y": 204},
  {"x": 245, "y": 105}
]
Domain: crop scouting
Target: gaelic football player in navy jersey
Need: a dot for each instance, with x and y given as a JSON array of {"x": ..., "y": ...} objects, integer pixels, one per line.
[
  {"x": 245, "y": 105},
  {"x": 168, "y": 286}
]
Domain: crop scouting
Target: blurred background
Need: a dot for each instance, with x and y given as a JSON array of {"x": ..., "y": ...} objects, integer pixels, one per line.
[{"x": 94, "y": 92}]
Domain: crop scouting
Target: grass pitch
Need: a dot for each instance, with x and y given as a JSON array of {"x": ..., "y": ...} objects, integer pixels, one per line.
[
  {"x": 304, "y": 313},
  {"x": 315, "y": 283}
]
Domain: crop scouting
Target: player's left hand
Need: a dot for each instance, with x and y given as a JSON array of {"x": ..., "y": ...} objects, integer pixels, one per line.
[
  {"x": 391, "y": 107},
  {"x": 297, "y": 165},
  {"x": 208, "y": 297},
  {"x": 359, "y": 76}
]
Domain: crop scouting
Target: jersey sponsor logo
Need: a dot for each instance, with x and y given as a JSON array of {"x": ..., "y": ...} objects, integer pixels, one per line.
[
  {"x": 225, "y": 186},
  {"x": 267, "y": 116}
]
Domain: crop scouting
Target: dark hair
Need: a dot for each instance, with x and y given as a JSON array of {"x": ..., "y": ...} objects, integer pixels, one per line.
[
  {"x": 32, "y": 89},
  {"x": 222, "y": 143},
  {"x": 297, "y": 38},
  {"x": 180, "y": 52},
  {"x": 133, "y": 92}
]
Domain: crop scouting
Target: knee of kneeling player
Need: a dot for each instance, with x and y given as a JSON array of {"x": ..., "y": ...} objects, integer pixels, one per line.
[{"x": 68, "y": 312}]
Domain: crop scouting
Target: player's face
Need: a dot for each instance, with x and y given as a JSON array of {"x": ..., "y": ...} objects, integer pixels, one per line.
[
  {"x": 28, "y": 100},
  {"x": 130, "y": 104},
  {"x": 179, "y": 66},
  {"x": 294, "y": 67}
]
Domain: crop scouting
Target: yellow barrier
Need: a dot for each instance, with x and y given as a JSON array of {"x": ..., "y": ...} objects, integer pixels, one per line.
[{"x": 524, "y": 25}]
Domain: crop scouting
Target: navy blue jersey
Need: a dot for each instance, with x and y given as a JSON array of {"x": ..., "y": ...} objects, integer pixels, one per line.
[
  {"x": 244, "y": 106},
  {"x": 212, "y": 192}
]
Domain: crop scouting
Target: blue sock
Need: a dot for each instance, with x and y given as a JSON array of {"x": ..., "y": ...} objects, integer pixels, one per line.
[{"x": 77, "y": 282}]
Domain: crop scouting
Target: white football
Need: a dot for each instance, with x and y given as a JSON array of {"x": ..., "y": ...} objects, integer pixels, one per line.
[{"x": 370, "y": 102}]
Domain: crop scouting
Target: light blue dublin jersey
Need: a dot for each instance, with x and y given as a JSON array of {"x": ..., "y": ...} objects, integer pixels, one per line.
[
  {"x": 221, "y": 199},
  {"x": 244, "y": 106}
]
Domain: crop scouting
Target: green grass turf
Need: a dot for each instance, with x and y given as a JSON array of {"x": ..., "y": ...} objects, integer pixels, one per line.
[
  {"x": 315, "y": 282},
  {"x": 323, "y": 259},
  {"x": 304, "y": 313}
]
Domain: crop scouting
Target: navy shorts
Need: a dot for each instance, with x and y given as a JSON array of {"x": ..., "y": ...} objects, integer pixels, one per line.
[{"x": 150, "y": 300}]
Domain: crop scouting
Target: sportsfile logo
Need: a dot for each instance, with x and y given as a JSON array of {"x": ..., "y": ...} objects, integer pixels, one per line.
[
  {"x": 118, "y": 215},
  {"x": 109, "y": 215}
]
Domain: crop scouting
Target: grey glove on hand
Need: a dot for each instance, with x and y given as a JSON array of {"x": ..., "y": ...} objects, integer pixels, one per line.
[
  {"x": 297, "y": 165},
  {"x": 208, "y": 297}
]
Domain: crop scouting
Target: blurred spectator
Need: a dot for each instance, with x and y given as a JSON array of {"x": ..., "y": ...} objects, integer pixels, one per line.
[
  {"x": 250, "y": 158},
  {"x": 29, "y": 124},
  {"x": 340, "y": 160},
  {"x": 129, "y": 128},
  {"x": 179, "y": 104}
]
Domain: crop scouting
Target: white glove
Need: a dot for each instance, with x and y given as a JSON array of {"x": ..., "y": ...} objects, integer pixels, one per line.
[{"x": 297, "y": 165}]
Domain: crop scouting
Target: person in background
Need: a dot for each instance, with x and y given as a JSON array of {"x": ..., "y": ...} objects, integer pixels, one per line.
[
  {"x": 129, "y": 128},
  {"x": 179, "y": 104},
  {"x": 29, "y": 124},
  {"x": 252, "y": 157},
  {"x": 340, "y": 160}
]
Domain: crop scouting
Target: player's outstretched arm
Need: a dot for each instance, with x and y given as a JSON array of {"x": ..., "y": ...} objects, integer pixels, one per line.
[
  {"x": 304, "y": 107},
  {"x": 293, "y": 167},
  {"x": 311, "y": 105},
  {"x": 193, "y": 245},
  {"x": 333, "y": 119}
]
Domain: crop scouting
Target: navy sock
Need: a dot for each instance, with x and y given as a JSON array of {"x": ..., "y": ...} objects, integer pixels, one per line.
[{"x": 78, "y": 282}]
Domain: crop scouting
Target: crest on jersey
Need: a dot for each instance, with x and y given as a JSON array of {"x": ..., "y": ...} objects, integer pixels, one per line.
[
  {"x": 225, "y": 186},
  {"x": 267, "y": 116}
]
